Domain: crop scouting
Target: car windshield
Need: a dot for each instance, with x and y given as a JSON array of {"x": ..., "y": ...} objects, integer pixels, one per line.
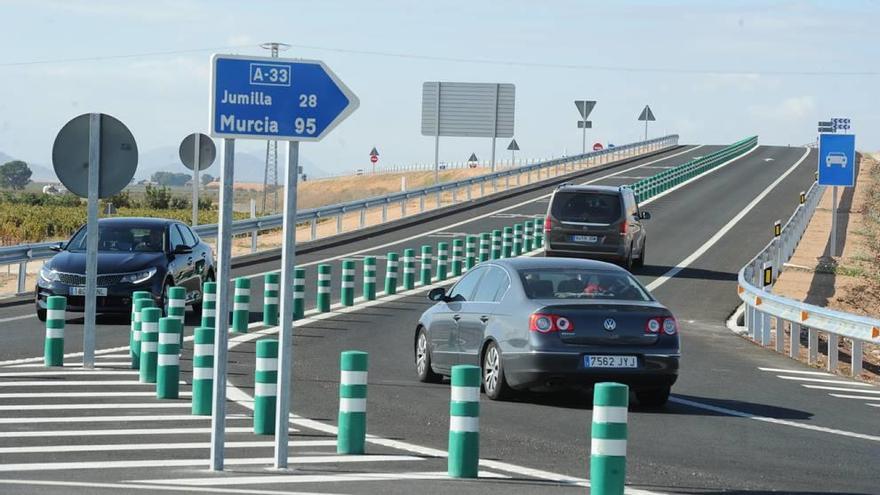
[
  {"x": 576, "y": 283},
  {"x": 118, "y": 238},
  {"x": 586, "y": 207}
]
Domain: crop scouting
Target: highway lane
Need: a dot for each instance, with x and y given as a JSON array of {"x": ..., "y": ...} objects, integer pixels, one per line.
[{"x": 23, "y": 334}]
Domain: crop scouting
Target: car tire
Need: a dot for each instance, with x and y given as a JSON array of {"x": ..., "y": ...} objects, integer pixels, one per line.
[
  {"x": 640, "y": 261},
  {"x": 197, "y": 306},
  {"x": 163, "y": 305},
  {"x": 494, "y": 382},
  {"x": 627, "y": 261},
  {"x": 655, "y": 397},
  {"x": 41, "y": 314},
  {"x": 423, "y": 360}
]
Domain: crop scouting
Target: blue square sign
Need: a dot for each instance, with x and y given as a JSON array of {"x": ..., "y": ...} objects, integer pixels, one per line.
[{"x": 837, "y": 159}]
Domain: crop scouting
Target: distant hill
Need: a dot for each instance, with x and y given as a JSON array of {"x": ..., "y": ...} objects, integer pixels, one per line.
[{"x": 41, "y": 173}]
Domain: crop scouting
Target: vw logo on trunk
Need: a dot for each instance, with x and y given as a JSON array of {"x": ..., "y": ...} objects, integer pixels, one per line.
[{"x": 610, "y": 324}]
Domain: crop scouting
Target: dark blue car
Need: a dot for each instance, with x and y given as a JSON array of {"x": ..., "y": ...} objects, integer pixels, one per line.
[{"x": 148, "y": 254}]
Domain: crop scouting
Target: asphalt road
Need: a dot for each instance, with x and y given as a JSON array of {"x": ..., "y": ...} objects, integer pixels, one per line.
[{"x": 730, "y": 426}]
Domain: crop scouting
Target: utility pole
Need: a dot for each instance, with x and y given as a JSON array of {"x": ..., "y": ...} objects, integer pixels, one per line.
[{"x": 270, "y": 175}]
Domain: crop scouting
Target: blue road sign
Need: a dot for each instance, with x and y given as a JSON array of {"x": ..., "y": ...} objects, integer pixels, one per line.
[
  {"x": 837, "y": 159},
  {"x": 275, "y": 98}
]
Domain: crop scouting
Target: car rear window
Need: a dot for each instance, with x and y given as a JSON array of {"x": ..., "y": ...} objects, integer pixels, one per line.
[
  {"x": 565, "y": 283},
  {"x": 586, "y": 207}
]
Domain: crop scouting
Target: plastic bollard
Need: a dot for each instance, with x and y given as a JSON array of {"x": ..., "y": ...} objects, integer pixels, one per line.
[
  {"x": 241, "y": 305},
  {"x": 149, "y": 344},
  {"x": 168, "y": 362},
  {"x": 352, "y": 403},
  {"x": 464, "y": 422},
  {"x": 346, "y": 293},
  {"x": 203, "y": 371},
  {"x": 271, "y": 287},
  {"x": 425, "y": 271},
  {"x": 299, "y": 293},
  {"x": 324, "y": 279},
  {"x": 53, "y": 346},
  {"x": 608, "y": 438},
  {"x": 391, "y": 273},
  {"x": 265, "y": 386}
]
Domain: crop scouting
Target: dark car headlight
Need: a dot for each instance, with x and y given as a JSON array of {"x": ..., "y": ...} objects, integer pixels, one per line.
[
  {"x": 138, "y": 277},
  {"x": 48, "y": 275}
]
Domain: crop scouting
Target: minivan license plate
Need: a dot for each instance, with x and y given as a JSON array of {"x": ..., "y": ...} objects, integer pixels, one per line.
[
  {"x": 584, "y": 238},
  {"x": 81, "y": 291},
  {"x": 610, "y": 362}
]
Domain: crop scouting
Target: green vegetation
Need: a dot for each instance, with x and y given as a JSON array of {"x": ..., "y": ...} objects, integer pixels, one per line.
[{"x": 15, "y": 175}]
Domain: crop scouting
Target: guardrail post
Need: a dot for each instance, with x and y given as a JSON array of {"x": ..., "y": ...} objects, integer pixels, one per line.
[
  {"x": 409, "y": 269},
  {"x": 425, "y": 272},
  {"x": 780, "y": 334},
  {"x": 457, "y": 256},
  {"x": 496, "y": 244},
  {"x": 812, "y": 345},
  {"x": 352, "y": 403},
  {"x": 168, "y": 362},
  {"x": 22, "y": 276},
  {"x": 254, "y": 232},
  {"x": 390, "y": 274},
  {"x": 209, "y": 304},
  {"x": 149, "y": 344},
  {"x": 384, "y": 212},
  {"x": 323, "y": 298},
  {"x": 507, "y": 243},
  {"x": 339, "y": 222},
  {"x": 203, "y": 371},
  {"x": 241, "y": 305},
  {"x": 856, "y": 357},
  {"x": 403, "y": 207},
  {"x": 482, "y": 188},
  {"x": 346, "y": 294},
  {"x": 265, "y": 386},
  {"x": 442, "y": 260},
  {"x": 53, "y": 346},
  {"x": 134, "y": 341},
  {"x": 468, "y": 193},
  {"x": 363, "y": 217},
  {"x": 299, "y": 293},
  {"x": 464, "y": 422},
  {"x": 470, "y": 258},
  {"x": 369, "y": 278},
  {"x": 313, "y": 229},
  {"x": 454, "y": 195},
  {"x": 833, "y": 341},
  {"x": 177, "y": 306},
  {"x": 528, "y": 229},
  {"x": 794, "y": 336},
  {"x": 422, "y": 202},
  {"x": 608, "y": 438},
  {"x": 517, "y": 239},
  {"x": 485, "y": 246},
  {"x": 271, "y": 285}
]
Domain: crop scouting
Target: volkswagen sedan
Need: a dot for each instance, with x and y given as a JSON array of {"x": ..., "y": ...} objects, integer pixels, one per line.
[{"x": 546, "y": 323}]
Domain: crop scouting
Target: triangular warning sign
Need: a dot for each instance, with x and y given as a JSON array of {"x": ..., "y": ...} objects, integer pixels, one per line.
[
  {"x": 374, "y": 152},
  {"x": 473, "y": 157},
  {"x": 647, "y": 114},
  {"x": 513, "y": 146},
  {"x": 584, "y": 107}
]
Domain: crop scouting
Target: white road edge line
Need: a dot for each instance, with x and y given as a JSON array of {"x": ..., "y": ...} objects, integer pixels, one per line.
[
  {"x": 820, "y": 380},
  {"x": 124, "y": 447},
  {"x": 796, "y": 372},
  {"x": 121, "y": 432},
  {"x": 841, "y": 389},
  {"x": 125, "y": 487},
  {"x": 859, "y": 397},
  {"x": 310, "y": 478}
]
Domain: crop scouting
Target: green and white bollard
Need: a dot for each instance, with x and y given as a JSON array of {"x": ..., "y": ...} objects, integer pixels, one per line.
[
  {"x": 177, "y": 306},
  {"x": 539, "y": 232},
  {"x": 369, "y": 278},
  {"x": 608, "y": 438},
  {"x": 507, "y": 244},
  {"x": 168, "y": 363},
  {"x": 457, "y": 256},
  {"x": 265, "y": 389},
  {"x": 442, "y": 260},
  {"x": 209, "y": 305},
  {"x": 271, "y": 286},
  {"x": 299, "y": 293},
  {"x": 390, "y": 274},
  {"x": 139, "y": 306},
  {"x": 149, "y": 344},
  {"x": 496, "y": 244},
  {"x": 346, "y": 294},
  {"x": 470, "y": 252},
  {"x": 53, "y": 346},
  {"x": 464, "y": 422},
  {"x": 241, "y": 305},
  {"x": 323, "y": 298},
  {"x": 134, "y": 340},
  {"x": 352, "y": 403},
  {"x": 409, "y": 269},
  {"x": 528, "y": 230},
  {"x": 203, "y": 371},
  {"x": 425, "y": 271},
  {"x": 485, "y": 246},
  {"x": 517, "y": 239}
]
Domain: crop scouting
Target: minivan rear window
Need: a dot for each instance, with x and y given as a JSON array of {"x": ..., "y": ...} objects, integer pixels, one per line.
[{"x": 586, "y": 207}]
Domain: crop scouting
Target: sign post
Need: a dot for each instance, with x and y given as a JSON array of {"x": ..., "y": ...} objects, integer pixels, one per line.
[
  {"x": 374, "y": 158},
  {"x": 648, "y": 116},
  {"x": 276, "y": 99},
  {"x": 196, "y": 148},
  {"x": 585, "y": 107},
  {"x": 837, "y": 163},
  {"x": 513, "y": 147}
]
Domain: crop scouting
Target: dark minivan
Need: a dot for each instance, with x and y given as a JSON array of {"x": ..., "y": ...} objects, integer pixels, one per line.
[{"x": 598, "y": 222}]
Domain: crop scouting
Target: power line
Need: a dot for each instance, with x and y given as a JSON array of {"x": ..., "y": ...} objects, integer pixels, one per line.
[{"x": 121, "y": 56}]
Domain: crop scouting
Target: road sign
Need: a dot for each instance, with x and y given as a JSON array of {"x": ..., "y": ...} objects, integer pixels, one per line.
[
  {"x": 597, "y": 146},
  {"x": 513, "y": 146},
  {"x": 206, "y": 150},
  {"x": 94, "y": 156},
  {"x": 585, "y": 124},
  {"x": 825, "y": 123},
  {"x": 275, "y": 98},
  {"x": 837, "y": 159},
  {"x": 374, "y": 158},
  {"x": 473, "y": 157},
  {"x": 584, "y": 107},
  {"x": 840, "y": 123},
  {"x": 374, "y": 152},
  {"x": 647, "y": 114},
  {"x": 826, "y": 129}
]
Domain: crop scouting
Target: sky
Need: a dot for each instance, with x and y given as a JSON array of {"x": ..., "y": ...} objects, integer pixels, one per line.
[{"x": 712, "y": 72}]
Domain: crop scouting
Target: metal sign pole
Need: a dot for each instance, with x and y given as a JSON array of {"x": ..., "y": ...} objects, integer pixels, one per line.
[
  {"x": 285, "y": 332},
  {"x": 495, "y": 125},
  {"x": 646, "y": 129},
  {"x": 92, "y": 241},
  {"x": 195, "y": 179},
  {"x": 834, "y": 221},
  {"x": 224, "y": 246},
  {"x": 584, "y": 139},
  {"x": 437, "y": 142}
]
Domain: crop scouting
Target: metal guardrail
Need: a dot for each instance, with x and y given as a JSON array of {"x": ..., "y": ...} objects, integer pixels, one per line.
[
  {"x": 25, "y": 253},
  {"x": 756, "y": 281}
]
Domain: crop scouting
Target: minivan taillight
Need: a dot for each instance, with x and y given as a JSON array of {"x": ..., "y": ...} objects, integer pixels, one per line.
[
  {"x": 666, "y": 324},
  {"x": 547, "y": 323},
  {"x": 547, "y": 224},
  {"x": 623, "y": 227}
]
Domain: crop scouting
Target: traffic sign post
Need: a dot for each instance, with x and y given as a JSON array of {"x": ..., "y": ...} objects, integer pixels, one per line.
[
  {"x": 276, "y": 99},
  {"x": 837, "y": 164},
  {"x": 197, "y": 149},
  {"x": 648, "y": 116},
  {"x": 584, "y": 108},
  {"x": 374, "y": 158},
  {"x": 513, "y": 147}
]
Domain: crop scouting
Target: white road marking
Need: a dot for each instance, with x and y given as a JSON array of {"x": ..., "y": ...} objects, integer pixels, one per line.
[
  {"x": 169, "y": 463},
  {"x": 765, "y": 419},
  {"x": 97, "y": 405},
  {"x": 782, "y": 370},
  {"x": 672, "y": 272},
  {"x": 121, "y": 432},
  {"x": 859, "y": 397},
  {"x": 874, "y": 405},
  {"x": 820, "y": 380},
  {"x": 36, "y": 374},
  {"x": 121, "y": 447},
  {"x": 67, "y": 395},
  {"x": 74, "y": 383},
  {"x": 842, "y": 389},
  {"x": 310, "y": 478},
  {"x": 15, "y": 318},
  {"x": 123, "y": 487},
  {"x": 112, "y": 419}
]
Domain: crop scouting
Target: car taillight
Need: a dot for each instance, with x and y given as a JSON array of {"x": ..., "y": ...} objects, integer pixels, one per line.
[
  {"x": 666, "y": 324},
  {"x": 547, "y": 323},
  {"x": 547, "y": 224},
  {"x": 623, "y": 228}
]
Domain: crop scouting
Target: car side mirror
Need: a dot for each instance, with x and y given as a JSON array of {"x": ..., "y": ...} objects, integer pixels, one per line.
[
  {"x": 644, "y": 215},
  {"x": 182, "y": 249},
  {"x": 57, "y": 247},
  {"x": 437, "y": 294}
]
